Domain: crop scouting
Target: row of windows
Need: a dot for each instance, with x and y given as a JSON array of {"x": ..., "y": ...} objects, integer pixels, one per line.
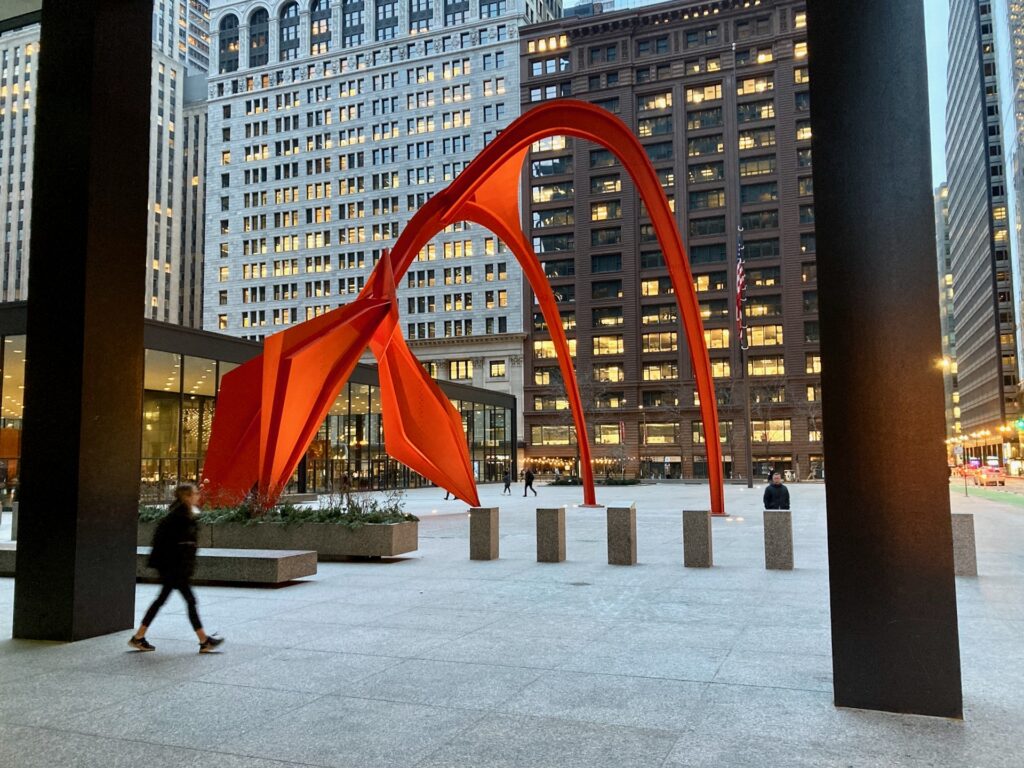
[
  {"x": 668, "y": 432},
  {"x": 354, "y": 28},
  {"x": 667, "y": 341}
]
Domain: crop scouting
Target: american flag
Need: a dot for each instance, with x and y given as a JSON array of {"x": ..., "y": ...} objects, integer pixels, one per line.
[{"x": 741, "y": 290}]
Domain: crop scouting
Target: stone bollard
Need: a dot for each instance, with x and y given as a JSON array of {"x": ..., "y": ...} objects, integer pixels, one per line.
[
  {"x": 697, "y": 551},
  {"x": 778, "y": 540},
  {"x": 622, "y": 535},
  {"x": 483, "y": 533},
  {"x": 551, "y": 535},
  {"x": 965, "y": 554}
]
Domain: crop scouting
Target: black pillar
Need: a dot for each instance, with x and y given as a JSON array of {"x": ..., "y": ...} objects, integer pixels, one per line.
[
  {"x": 83, "y": 379},
  {"x": 894, "y": 623}
]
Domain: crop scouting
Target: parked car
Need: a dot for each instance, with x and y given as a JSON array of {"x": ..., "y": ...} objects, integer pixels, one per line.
[{"x": 989, "y": 476}]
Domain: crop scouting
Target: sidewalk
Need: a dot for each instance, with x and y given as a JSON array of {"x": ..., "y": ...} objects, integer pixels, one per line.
[{"x": 435, "y": 660}]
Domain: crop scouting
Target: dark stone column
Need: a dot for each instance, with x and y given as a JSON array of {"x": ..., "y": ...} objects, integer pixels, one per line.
[
  {"x": 83, "y": 380},
  {"x": 894, "y": 622}
]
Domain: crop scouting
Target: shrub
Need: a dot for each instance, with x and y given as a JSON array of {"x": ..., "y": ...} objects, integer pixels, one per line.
[{"x": 352, "y": 511}]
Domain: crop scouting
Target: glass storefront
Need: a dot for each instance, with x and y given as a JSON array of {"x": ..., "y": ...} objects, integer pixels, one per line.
[
  {"x": 179, "y": 392},
  {"x": 180, "y": 396},
  {"x": 12, "y": 389},
  {"x": 349, "y": 448}
]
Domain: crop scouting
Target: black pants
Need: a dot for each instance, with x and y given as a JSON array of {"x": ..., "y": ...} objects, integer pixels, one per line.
[
  {"x": 168, "y": 585},
  {"x": 508, "y": 488},
  {"x": 529, "y": 487}
]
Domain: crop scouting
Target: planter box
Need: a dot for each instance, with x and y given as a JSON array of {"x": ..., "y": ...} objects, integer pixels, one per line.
[{"x": 330, "y": 541}]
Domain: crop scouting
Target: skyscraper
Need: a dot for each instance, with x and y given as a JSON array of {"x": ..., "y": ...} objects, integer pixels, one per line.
[
  {"x": 718, "y": 95},
  {"x": 947, "y": 316},
  {"x": 330, "y": 124},
  {"x": 982, "y": 267},
  {"x": 180, "y": 40},
  {"x": 19, "y": 59}
]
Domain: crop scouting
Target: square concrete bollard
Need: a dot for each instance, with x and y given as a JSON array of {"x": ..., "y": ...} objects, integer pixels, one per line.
[
  {"x": 778, "y": 540},
  {"x": 622, "y": 535},
  {"x": 965, "y": 554},
  {"x": 551, "y": 535},
  {"x": 483, "y": 533},
  {"x": 697, "y": 551}
]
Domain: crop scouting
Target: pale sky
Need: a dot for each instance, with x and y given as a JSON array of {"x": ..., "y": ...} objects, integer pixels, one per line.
[{"x": 936, "y": 16}]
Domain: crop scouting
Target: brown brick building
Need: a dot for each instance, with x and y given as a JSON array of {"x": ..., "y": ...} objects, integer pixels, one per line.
[{"x": 718, "y": 93}]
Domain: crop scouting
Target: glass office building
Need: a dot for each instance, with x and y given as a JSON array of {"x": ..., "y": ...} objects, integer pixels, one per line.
[{"x": 183, "y": 372}]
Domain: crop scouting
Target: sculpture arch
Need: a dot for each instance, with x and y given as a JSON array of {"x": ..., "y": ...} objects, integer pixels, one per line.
[{"x": 421, "y": 429}]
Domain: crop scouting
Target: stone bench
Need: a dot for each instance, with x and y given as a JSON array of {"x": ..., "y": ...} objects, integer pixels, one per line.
[
  {"x": 238, "y": 566},
  {"x": 246, "y": 566}
]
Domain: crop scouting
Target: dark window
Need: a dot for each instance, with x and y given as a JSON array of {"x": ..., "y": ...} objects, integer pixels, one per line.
[
  {"x": 610, "y": 236},
  {"x": 562, "y": 268},
  {"x": 602, "y": 158},
  {"x": 810, "y": 301},
  {"x": 707, "y": 254},
  {"x": 704, "y": 118},
  {"x": 761, "y": 249},
  {"x": 759, "y": 193},
  {"x": 652, "y": 259},
  {"x": 551, "y": 243},
  {"x": 760, "y": 220},
  {"x": 259, "y": 38},
  {"x": 606, "y": 289},
  {"x": 228, "y": 44},
  {"x": 659, "y": 152},
  {"x": 710, "y": 226},
  {"x": 606, "y": 262}
]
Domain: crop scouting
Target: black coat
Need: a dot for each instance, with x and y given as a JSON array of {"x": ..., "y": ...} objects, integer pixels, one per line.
[
  {"x": 776, "y": 497},
  {"x": 174, "y": 544},
  {"x": 528, "y": 477}
]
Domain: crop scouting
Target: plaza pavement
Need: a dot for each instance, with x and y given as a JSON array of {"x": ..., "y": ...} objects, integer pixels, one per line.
[{"x": 434, "y": 660}]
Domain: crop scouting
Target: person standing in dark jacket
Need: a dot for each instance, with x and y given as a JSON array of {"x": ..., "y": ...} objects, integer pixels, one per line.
[
  {"x": 508, "y": 483},
  {"x": 174, "y": 557},
  {"x": 776, "y": 495}
]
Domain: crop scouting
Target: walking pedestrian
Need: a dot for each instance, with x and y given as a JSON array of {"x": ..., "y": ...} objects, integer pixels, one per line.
[
  {"x": 508, "y": 483},
  {"x": 776, "y": 495},
  {"x": 528, "y": 479},
  {"x": 174, "y": 557},
  {"x": 448, "y": 494}
]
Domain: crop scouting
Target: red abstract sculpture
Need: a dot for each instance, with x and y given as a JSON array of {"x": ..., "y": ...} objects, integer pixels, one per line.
[{"x": 269, "y": 409}]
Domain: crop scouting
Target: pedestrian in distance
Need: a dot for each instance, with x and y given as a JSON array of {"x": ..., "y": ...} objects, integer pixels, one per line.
[
  {"x": 448, "y": 494},
  {"x": 528, "y": 480},
  {"x": 174, "y": 557},
  {"x": 508, "y": 483},
  {"x": 776, "y": 495}
]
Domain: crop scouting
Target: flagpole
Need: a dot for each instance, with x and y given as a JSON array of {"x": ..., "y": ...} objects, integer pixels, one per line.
[{"x": 741, "y": 290}]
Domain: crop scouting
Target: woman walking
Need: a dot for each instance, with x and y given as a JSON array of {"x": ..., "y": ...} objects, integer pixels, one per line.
[{"x": 174, "y": 557}]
